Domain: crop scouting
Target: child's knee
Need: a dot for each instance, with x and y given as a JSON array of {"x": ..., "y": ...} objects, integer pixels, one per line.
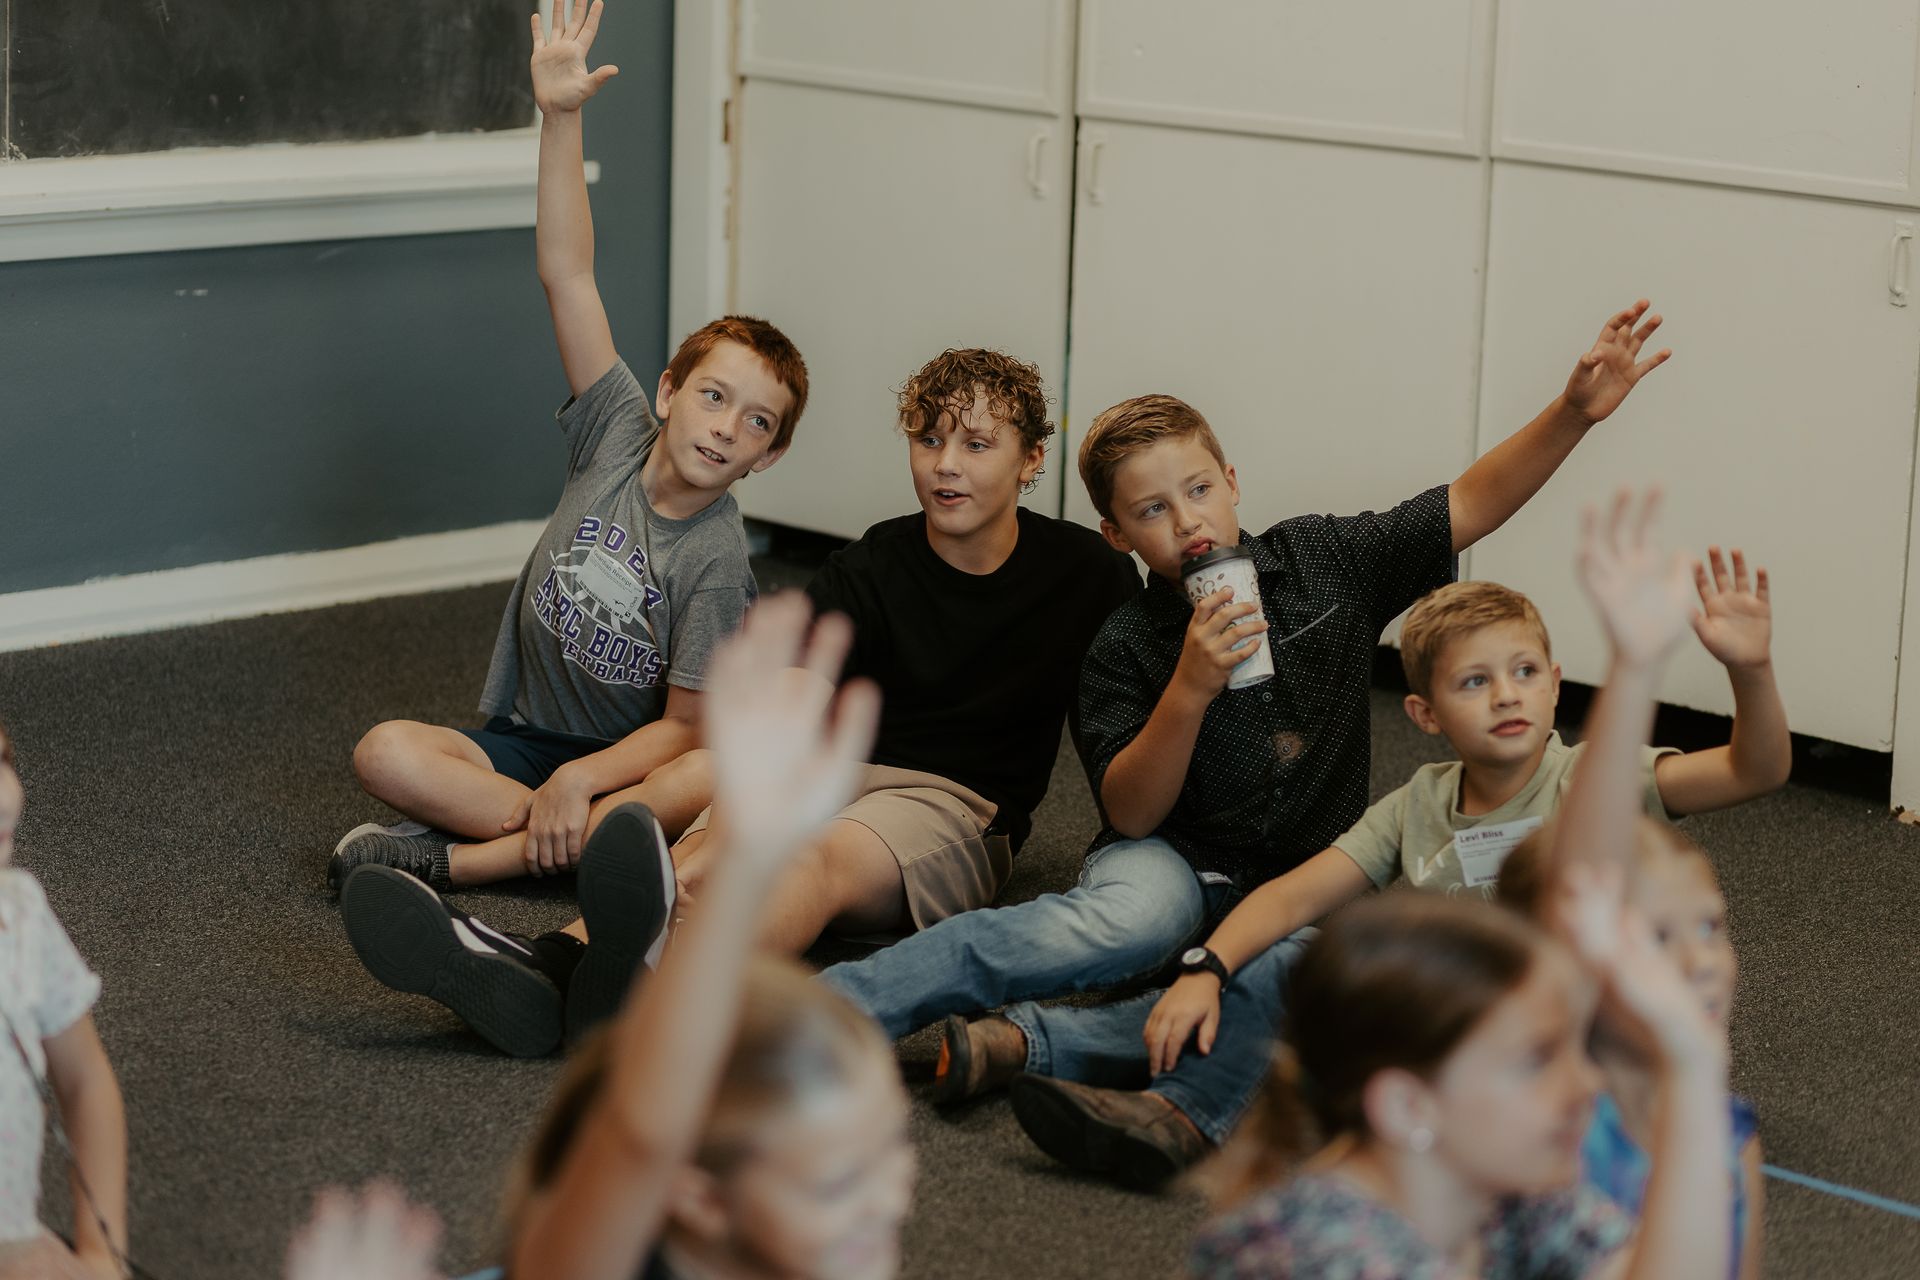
[
  {"x": 693, "y": 769},
  {"x": 383, "y": 751}
]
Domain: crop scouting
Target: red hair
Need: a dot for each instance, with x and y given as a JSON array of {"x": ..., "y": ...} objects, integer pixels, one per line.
[{"x": 773, "y": 347}]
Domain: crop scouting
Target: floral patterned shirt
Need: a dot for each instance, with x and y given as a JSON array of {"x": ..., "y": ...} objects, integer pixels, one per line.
[{"x": 1319, "y": 1227}]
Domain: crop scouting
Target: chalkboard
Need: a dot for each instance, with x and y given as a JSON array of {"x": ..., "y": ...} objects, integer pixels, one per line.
[{"x": 104, "y": 77}]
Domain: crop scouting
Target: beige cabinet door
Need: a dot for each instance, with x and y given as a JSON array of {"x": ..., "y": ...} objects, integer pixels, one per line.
[
  {"x": 1784, "y": 422},
  {"x": 904, "y": 186},
  {"x": 1319, "y": 304}
]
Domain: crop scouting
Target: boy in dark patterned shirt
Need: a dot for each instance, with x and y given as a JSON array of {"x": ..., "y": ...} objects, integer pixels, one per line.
[{"x": 1207, "y": 793}]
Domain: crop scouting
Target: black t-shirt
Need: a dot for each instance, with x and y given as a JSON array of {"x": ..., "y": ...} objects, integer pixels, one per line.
[
  {"x": 976, "y": 671},
  {"x": 1281, "y": 768}
]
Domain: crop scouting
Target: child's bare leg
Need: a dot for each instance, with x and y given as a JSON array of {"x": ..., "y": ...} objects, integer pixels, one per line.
[
  {"x": 676, "y": 792},
  {"x": 437, "y": 775},
  {"x": 847, "y": 878}
]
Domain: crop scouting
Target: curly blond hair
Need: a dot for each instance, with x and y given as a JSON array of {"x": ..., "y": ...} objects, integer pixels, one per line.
[{"x": 954, "y": 380}]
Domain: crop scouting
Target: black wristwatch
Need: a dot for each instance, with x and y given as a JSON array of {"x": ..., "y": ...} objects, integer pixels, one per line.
[{"x": 1201, "y": 960}]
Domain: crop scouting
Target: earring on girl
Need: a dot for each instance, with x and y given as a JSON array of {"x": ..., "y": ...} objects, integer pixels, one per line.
[{"x": 1420, "y": 1141}]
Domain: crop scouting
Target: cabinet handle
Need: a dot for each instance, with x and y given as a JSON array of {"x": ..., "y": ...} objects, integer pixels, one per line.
[
  {"x": 1035, "y": 183},
  {"x": 1899, "y": 263},
  {"x": 1095, "y": 145}
]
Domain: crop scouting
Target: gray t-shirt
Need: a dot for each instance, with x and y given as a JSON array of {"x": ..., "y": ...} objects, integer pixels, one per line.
[{"x": 616, "y": 602}]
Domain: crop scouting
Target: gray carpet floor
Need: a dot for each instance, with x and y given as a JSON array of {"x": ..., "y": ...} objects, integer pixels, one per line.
[{"x": 183, "y": 789}]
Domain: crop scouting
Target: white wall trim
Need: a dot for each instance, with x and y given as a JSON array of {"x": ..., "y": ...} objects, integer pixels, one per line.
[
  {"x": 266, "y": 584},
  {"x": 208, "y": 197}
]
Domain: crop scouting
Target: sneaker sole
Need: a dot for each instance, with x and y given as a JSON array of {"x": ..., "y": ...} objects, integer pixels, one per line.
[
  {"x": 626, "y": 888},
  {"x": 405, "y": 939},
  {"x": 408, "y": 827},
  {"x": 1060, "y": 1127}
]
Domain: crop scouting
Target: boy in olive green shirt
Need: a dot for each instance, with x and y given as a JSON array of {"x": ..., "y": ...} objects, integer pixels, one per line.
[{"x": 1480, "y": 667}]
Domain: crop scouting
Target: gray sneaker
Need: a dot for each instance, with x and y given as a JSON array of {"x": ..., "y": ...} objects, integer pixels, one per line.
[{"x": 409, "y": 846}]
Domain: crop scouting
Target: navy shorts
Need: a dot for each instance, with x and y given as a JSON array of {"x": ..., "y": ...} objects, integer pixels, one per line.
[{"x": 527, "y": 754}]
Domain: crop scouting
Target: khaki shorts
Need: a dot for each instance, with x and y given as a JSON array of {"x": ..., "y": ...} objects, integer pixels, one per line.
[{"x": 937, "y": 831}]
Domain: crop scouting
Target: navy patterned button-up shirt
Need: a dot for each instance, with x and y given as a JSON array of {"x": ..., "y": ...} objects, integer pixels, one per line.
[{"x": 1281, "y": 768}]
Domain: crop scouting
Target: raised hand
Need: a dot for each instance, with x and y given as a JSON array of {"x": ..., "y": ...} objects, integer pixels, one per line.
[
  {"x": 376, "y": 1235},
  {"x": 1735, "y": 621},
  {"x": 786, "y": 750},
  {"x": 1640, "y": 591},
  {"x": 1612, "y": 367},
  {"x": 561, "y": 81}
]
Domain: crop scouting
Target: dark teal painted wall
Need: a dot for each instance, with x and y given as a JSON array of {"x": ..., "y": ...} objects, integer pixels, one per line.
[{"x": 316, "y": 395}]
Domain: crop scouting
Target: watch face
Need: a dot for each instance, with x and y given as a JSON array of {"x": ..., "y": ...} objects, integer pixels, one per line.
[{"x": 1194, "y": 956}]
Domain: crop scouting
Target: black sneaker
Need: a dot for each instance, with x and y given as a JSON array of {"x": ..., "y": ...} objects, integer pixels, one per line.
[
  {"x": 412, "y": 847},
  {"x": 412, "y": 941},
  {"x": 625, "y": 883}
]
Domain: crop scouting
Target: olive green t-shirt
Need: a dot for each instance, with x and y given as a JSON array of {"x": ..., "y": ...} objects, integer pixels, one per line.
[{"x": 1419, "y": 831}]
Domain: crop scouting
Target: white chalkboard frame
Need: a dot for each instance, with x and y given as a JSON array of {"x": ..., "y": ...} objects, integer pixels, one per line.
[{"x": 213, "y": 197}]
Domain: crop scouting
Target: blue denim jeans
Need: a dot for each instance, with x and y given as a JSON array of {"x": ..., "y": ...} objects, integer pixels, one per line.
[
  {"x": 1106, "y": 1045},
  {"x": 1137, "y": 905}
]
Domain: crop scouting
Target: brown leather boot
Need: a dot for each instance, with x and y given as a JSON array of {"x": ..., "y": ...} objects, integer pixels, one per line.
[
  {"x": 1138, "y": 1139},
  {"x": 976, "y": 1057}
]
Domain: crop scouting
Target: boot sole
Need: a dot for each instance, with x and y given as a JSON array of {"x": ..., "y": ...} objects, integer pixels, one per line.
[
  {"x": 950, "y": 1090},
  {"x": 1065, "y": 1130},
  {"x": 626, "y": 889},
  {"x": 405, "y": 939}
]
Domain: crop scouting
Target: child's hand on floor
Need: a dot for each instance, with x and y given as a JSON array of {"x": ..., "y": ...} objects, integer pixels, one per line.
[
  {"x": 785, "y": 753},
  {"x": 1641, "y": 592},
  {"x": 561, "y": 81},
  {"x": 1191, "y": 1003},
  {"x": 1735, "y": 621},
  {"x": 1207, "y": 658},
  {"x": 377, "y": 1235},
  {"x": 1604, "y": 376}
]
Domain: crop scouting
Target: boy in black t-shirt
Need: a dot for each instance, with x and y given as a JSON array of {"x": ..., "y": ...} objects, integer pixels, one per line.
[{"x": 972, "y": 616}]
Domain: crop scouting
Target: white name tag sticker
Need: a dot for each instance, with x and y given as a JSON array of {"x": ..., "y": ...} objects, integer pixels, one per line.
[
  {"x": 608, "y": 581},
  {"x": 1482, "y": 849}
]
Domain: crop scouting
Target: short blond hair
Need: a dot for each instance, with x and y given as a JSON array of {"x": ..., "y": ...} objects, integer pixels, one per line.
[
  {"x": 1442, "y": 616},
  {"x": 1127, "y": 428}
]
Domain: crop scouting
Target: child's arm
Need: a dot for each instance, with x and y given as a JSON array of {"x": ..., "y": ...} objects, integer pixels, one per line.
[
  {"x": 1735, "y": 624},
  {"x": 563, "y": 231},
  {"x": 1280, "y": 907},
  {"x": 1507, "y": 476},
  {"x": 1642, "y": 597},
  {"x": 1753, "y": 1238},
  {"x": 781, "y": 771},
  {"x": 95, "y": 1119},
  {"x": 555, "y": 815},
  {"x": 1686, "y": 1218},
  {"x": 1140, "y": 787}
]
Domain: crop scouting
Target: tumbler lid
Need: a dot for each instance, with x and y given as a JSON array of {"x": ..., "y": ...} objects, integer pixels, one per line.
[{"x": 1208, "y": 559}]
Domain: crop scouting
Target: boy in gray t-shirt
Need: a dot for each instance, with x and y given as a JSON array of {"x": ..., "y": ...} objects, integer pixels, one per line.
[{"x": 597, "y": 670}]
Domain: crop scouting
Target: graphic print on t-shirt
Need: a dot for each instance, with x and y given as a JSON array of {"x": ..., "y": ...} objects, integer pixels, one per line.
[{"x": 595, "y": 598}]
